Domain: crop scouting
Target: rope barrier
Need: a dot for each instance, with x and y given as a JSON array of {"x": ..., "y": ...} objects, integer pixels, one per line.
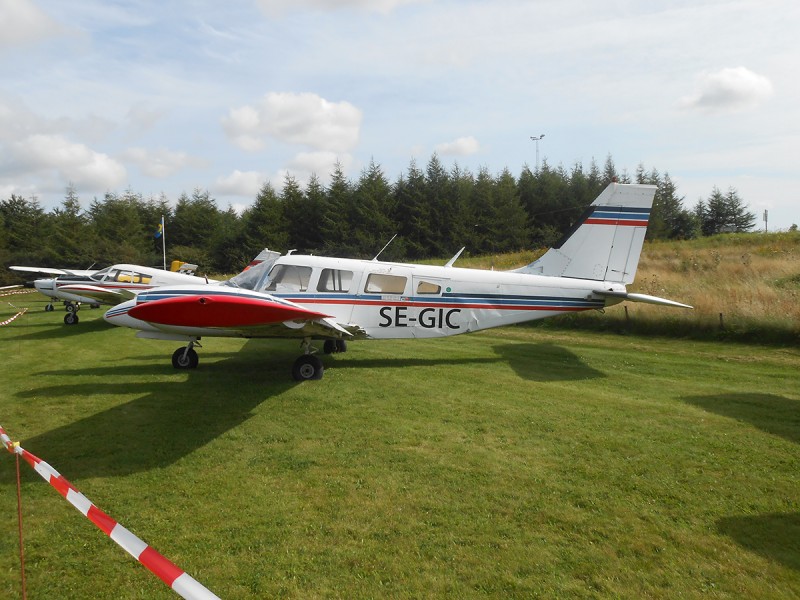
[
  {"x": 175, "y": 578},
  {"x": 16, "y": 316},
  {"x": 15, "y": 292}
]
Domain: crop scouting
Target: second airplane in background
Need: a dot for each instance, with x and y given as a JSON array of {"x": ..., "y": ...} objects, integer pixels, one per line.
[{"x": 111, "y": 285}]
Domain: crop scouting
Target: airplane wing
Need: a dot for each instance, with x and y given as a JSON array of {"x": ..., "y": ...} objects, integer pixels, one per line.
[
  {"x": 53, "y": 272},
  {"x": 264, "y": 315},
  {"x": 98, "y": 294}
]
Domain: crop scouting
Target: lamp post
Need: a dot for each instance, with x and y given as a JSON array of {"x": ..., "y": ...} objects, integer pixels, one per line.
[{"x": 536, "y": 139}]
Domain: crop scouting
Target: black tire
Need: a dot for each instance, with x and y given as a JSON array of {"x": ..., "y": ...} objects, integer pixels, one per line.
[
  {"x": 70, "y": 319},
  {"x": 341, "y": 346},
  {"x": 307, "y": 367},
  {"x": 71, "y": 308},
  {"x": 183, "y": 359},
  {"x": 329, "y": 347},
  {"x": 49, "y": 308}
]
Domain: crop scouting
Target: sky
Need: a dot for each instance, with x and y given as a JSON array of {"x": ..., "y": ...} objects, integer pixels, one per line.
[{"x": 168, "y": 97}]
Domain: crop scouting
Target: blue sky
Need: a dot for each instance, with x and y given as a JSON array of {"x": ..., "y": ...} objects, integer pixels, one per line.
[{"x": 166, "y": 97}]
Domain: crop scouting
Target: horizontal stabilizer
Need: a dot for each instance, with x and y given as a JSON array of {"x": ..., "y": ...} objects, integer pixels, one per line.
[{"x": 646, "y": 298}]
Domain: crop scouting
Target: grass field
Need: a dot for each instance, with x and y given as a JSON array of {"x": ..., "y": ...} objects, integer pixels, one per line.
[{"x": 515, "y": 463}]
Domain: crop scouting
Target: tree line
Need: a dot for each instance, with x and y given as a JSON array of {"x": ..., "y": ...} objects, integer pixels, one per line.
[{"x": 433, "y": 210}]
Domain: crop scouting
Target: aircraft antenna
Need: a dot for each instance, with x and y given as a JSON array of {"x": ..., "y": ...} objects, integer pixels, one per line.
[
  {"x": 452, "y": 260},
  {"x": 384, "y": 248}
]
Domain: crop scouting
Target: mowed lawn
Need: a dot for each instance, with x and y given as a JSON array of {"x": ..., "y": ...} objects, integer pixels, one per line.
[{"x": 515, "y": 463}]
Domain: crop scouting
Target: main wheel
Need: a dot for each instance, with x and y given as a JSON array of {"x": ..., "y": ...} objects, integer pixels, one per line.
[
  {"x": 70, "y": 307},
  {"x": 70, "y": 319},
  {"x": 185, "y": 359},
  {"x": 307, "y": 367},
  {"x": 341, "y": 346},
  {"x": 329, "y": 347}
]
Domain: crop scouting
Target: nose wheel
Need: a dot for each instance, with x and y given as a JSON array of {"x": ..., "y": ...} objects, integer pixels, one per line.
[
  {"x": 185, "y": 358},
  {"x": 308, "y": 366}
]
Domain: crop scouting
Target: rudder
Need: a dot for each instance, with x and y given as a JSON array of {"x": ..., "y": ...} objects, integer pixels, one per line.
[{"x": 606, "y": 242}]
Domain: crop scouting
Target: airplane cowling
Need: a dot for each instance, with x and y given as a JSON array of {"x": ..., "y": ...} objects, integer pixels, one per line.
[{"x": 207, "y": 310}]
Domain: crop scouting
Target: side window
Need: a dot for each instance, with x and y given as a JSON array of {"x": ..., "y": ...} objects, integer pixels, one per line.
[
  {"x": 381, "y": 283},
  {"x": 141, "y": 278},
  {"x": 289, "y": 278},
  {"x": 426, "y": 287},
  {"x": 334, "y": 280}
]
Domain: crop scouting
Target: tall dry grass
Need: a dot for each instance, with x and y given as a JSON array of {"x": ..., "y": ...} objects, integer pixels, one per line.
[
  {"x": 736, "y": 282},
  {"x": 740, "y": 285}
]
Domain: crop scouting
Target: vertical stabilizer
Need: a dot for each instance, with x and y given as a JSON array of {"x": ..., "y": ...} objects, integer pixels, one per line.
[{"x": 606, "y": 242}]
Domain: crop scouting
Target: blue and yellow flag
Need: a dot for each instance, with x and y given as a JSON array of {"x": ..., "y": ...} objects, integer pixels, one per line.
[{"x": 160, "y": 229}]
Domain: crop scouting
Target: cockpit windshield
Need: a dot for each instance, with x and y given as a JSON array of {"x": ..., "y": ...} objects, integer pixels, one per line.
[
  {"x": 255, "y": 278},
  {"x": 100, "y": 275}
]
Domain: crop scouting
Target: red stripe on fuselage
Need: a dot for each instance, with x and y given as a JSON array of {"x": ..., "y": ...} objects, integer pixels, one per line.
[{"x": 624, "y": 222}]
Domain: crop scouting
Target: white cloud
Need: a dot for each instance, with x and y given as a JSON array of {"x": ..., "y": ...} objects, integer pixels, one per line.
[
  {"x": 729, "y": 90},
  {"x": 23, "y": 22},
  {"x": 240, "y": 183},
  {"x": 322, "y": 164},
  {"x": 87, "y": 169},
  {"x": 305, "y": 119},
  {"x": 160, "y": 163},
  {"x": 277, "y": 7},
  {"x": 463, "y": 146}
]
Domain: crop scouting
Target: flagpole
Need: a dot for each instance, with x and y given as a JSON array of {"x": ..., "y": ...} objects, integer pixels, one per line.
[{"x": 164, "y": 242}]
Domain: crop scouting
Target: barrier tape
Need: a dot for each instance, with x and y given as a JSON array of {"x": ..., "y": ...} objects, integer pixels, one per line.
[
  {"x": 175, "y": 578},
  {"x": 15, "y": 292},
  {"x": 16, "y": 316}
]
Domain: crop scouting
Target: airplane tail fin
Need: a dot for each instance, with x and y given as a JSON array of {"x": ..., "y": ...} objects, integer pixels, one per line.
[{"x": 606, "y": 242}]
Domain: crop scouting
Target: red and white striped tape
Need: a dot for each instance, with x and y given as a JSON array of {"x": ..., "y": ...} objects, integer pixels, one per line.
[
  {"x": 177, "y": 579},
  {"x": 19, "y": 314},
  {"x": 10, "y": 292}
]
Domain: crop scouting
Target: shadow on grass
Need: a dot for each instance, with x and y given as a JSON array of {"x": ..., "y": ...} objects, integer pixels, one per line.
[
  {"x": 743, "y": 332},
  {"x": 775, "y": 536},
  {"x": 534, "y": 362},
  {"x": 57, "y": 329},
  {"x": 545, "y": 362},
  {"x": 166, "y": 421},
  {"x": 771, "y": 413}
]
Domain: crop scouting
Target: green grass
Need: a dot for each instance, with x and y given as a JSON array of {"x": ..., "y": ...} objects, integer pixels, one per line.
[{"x": 516, "y": 463}]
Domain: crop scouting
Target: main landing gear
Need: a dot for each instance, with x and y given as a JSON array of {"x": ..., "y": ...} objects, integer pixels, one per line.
[
  {"x": 306, "y": 368},
  {"x": 72, "y": 308}
]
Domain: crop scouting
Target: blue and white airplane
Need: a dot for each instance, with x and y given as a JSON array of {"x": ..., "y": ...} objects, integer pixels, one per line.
[{"x": 336, "y": 299}]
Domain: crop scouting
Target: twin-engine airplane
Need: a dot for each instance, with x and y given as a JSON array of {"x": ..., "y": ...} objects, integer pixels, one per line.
[
  {"x": 111, "y": 285},
  {"x": 335, "y": 299}
]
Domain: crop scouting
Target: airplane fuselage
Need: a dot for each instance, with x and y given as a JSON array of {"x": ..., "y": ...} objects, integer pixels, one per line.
[{"x": 382, "y": 300}]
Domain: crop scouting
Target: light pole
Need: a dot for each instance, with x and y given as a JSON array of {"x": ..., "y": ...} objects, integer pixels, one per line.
[{"x": 536, "y": 139}]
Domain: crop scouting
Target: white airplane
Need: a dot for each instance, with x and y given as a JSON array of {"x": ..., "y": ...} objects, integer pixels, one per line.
[
  {"x": 111, "y": 285},
  {"x": 336, "y": 299}
]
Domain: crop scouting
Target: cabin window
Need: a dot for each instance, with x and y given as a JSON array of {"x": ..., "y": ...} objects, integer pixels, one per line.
[
  {"x": 334, "y": 280},
  {"x": 130, "y": 277},
  {"x": 381, "y": 283},
  {"x": 289, "y": 278},
  {"x": 426, "y": 287}
]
